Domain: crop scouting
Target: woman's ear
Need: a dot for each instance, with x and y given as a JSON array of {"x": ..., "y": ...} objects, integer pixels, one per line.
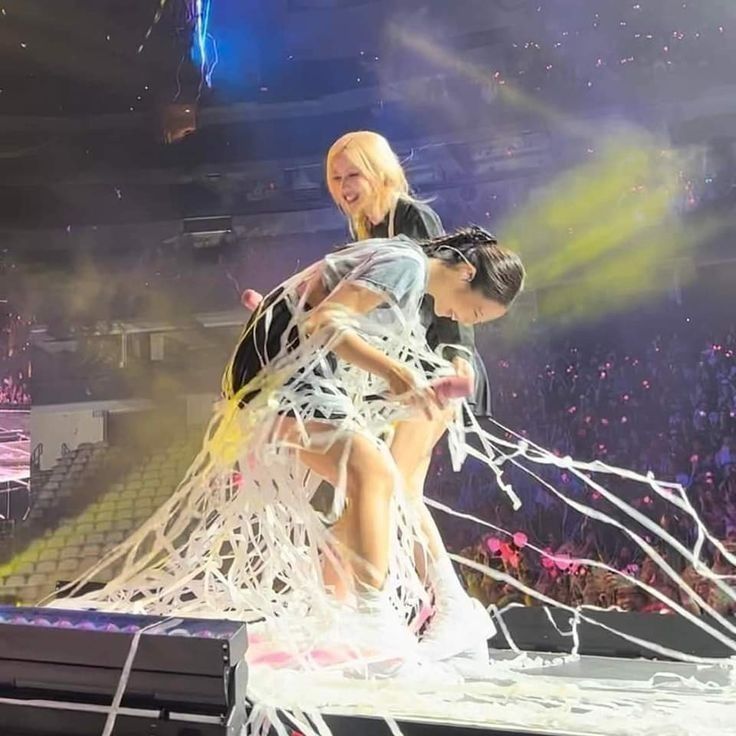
[{"x": 467, "y": 271}]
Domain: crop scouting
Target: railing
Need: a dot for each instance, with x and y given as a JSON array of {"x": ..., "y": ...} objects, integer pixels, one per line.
[{"x": 36, "y": 456}]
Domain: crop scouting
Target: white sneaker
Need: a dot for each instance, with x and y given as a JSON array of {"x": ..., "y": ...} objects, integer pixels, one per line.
[
  {"x": 380, "y": 641},
  {"x": 459, "y": 628}
]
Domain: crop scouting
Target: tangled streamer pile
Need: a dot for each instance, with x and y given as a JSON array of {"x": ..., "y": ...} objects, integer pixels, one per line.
[{"x": 239, "y": 538}]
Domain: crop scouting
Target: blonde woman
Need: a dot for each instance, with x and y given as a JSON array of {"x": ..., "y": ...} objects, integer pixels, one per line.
[{"x": 368, "y": 184}]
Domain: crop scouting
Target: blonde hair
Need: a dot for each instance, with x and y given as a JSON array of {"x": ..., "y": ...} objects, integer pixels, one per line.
[{"x": 373, "y": 156}]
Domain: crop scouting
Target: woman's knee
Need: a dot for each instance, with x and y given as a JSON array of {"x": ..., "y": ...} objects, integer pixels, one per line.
[{"x": 370, "y": 466}]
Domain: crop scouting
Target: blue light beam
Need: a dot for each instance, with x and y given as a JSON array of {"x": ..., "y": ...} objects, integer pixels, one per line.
[{"x": 202, "y": 38}]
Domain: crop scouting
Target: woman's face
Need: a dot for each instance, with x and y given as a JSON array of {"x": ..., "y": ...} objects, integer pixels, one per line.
[
  {"x": 353, "y": 192},
  {"x": 458, "y": 301}
]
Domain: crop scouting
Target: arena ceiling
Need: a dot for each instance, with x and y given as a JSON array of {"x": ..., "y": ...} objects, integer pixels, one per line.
[{"x": 78, "y": 57}]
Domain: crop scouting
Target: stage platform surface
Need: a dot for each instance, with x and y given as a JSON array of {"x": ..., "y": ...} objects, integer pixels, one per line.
[{"x": 522, "y": 694}]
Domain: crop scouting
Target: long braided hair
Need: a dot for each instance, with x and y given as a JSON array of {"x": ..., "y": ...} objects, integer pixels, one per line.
[{"x": 499, "y": 272}]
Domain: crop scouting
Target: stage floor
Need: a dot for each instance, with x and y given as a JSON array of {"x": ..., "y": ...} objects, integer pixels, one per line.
[{"x": 529, "y": 694}]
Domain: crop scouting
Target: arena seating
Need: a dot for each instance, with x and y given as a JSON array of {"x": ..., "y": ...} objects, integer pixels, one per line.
[{"x": 78, "y": 539}]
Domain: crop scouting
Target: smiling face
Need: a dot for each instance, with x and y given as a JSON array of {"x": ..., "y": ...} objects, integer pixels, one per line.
[
  {"x": 350, "y": 188},
  {"x": 365, "y": 177}
]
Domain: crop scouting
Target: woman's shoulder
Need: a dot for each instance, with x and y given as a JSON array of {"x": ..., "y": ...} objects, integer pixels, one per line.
[
  {"x": 400, "y": 246},
  {"x": 397, "y": 246},
  {"x": 416, "y": 207},
  {"x": 417, "y": 219}
]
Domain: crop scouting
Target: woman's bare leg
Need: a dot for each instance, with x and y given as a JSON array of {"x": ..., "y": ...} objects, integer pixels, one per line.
[
  {"x": 338, "y": 572},
  {"x": 357, "y": 463},
  {"x": 366, "y": 470},
  {"x": 457, "y": 626},
  {"x": 412, "y": 447}
]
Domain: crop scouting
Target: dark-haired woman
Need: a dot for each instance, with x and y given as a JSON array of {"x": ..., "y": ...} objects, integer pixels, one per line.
[
  {"x": 367, "y": 298},
  {"x": 330, "y": 359}
]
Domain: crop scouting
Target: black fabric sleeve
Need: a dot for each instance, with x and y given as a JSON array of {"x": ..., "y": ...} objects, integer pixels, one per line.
[{"x": 417, "y": 221}]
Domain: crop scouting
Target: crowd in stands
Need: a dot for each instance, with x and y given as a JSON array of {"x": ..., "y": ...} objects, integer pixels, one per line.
[
  {"x": 15, "y": 361},
  {"x": 14, "y": 390},
  {"x": 666, "y": 405}
]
